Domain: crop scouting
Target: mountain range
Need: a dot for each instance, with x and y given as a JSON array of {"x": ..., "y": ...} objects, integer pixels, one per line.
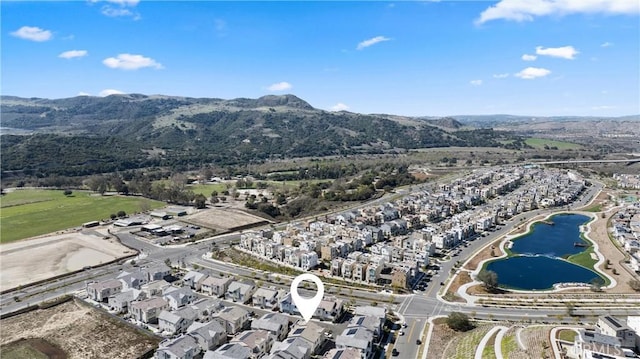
[{"x": 86, "y": 134}]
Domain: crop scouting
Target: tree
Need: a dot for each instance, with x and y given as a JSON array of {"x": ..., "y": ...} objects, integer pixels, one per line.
[
  {"x": 200, "y": 201},
  {"x": 489, "y": 279},
  {"x": 459, "y": 322},
  {"x": 571, "y": 308},
  {"x": 634, "y": 284},
  {"x": 67, "y": 192},
  {"x": 122, "y": 214}
]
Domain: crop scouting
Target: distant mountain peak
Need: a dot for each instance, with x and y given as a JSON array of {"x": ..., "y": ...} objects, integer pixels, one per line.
[{"x": 283, "y": 100}]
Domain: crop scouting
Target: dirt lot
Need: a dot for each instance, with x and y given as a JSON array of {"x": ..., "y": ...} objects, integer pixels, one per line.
[
  {"x": 44, "y": 257},
  {"x": 222, "y": 219},
  {"x": 79, "y": 331}
]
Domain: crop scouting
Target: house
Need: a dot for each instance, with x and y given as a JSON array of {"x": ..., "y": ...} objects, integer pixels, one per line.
[
  {"x": 194, "y": 279},
  {"x": 229, "y": 351},
  {"x": 147, "y": 310},
  {"x": 286, "y": 305},
  {"x": 400, "y": 277},
  {"x": 101, "y": 291},
  {"x": 158, "y": 272},
  {"x": 368, "y": 310},
  {"x": 258, "y": 341},
  {"x": 176, "y": 321},
  {"x": 154, "y": 288},
  {"x": 291, "y": 348},
  {"x": 359, "y": 338},
  {"x": 240, "y": 291},
  {"x": 311, "y": 333},
  {"x": 344, "y": 353},
  {"x": 119, "y": 302},
  {"x": 133, "y": 279},
  {"x": 276, "y": 324},
  {"x": 178, "y": 297},
  {"x": 615, "y": 327},
  {"x": 330, "y": 308},
  {"x": 205, "y": 308},
  {"x": 374, "y": 324},
  {"x": 208, "y": 335},
  {"x": 214, "y": 286},
  {"x": 184, "y": 347},
  {"x": 234, "y": 319},
  {"x": 589, "y": 344},
  {"x": 265, "y": 298}
]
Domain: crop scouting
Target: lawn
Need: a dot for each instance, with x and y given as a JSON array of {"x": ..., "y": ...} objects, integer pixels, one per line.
[
  {"x": 539, "y": 143},
  {"x": 509, "y": 345},
  {"x": 28, "y": 213},
  {"x": 207, "y": 189},
  {"x": 567, "y": 335}
]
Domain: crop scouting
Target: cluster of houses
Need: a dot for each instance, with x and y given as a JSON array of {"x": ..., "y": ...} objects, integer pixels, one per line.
[
  {"x": 613, "y": 338},
  {"x": 629, "y": 181},
  {"x": 198, "y": 325},
  {"x": 388, "y": 244},
  {"x": 626, "y": 230}
]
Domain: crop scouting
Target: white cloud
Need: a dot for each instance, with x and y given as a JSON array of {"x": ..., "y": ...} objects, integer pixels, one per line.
[
  {"x": 372, "y": 41},
  {"x": 280, "y": 86},
  {"x": 527, "y": 57},
  {"x": 73, "y": 53},
  {"x": 116, "y": 12},
  {"x": 339, "y": 107},
  {"x": 119, "y": 8},
  {"x": 532, "y": 72},
  {"x": 565, "y": 52},
  {"x": 606, "y": 44},
  {"x": 527, "y": 10},
  {"x": 605, "y": 107},
  {"x": 500, "y": 76},
  {"x": 124, "y": 2},
  {"x": 107, "y": 92},
  {"x": 81, "y": 93},
  {"x": 131, "y": 62},
  {"x": 475, "y": 82},
  {"x": 32, "y": 33}
]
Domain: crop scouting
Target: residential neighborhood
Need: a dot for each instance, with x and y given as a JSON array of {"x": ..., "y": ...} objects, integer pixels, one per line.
[{"x": 393, "y": 243}]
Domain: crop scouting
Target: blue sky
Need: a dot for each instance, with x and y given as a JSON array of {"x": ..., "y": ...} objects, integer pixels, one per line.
[{"x": 427, "y": 58}]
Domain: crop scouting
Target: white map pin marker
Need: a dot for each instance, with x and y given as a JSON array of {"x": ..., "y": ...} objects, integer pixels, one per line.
[{"x": 307, "y": 306}]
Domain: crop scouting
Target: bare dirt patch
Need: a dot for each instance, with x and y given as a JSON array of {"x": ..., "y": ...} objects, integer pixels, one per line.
[
  {"x": 36, "y": 259},
  {"x": 223, "y": 219},
  {"x": 460, "y": 279},
  {"x": 440, "y": 337},
  {"x": 79, "y": 331}
]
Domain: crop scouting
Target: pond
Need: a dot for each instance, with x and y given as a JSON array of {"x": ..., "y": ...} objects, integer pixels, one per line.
[{"x": 537, "y": 256}]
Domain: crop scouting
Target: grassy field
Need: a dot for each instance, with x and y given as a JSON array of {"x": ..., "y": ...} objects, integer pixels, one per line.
[
  {"x": 28, "y": 213},
  {"x": 567, "y": 335},
  {"x": 206, "y": 189},
  {"x": 21, "y": 352},
  {"x": 539, "y": 143}
]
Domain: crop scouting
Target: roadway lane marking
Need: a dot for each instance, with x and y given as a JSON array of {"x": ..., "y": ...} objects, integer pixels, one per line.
[{"x": 411, "y": 331}]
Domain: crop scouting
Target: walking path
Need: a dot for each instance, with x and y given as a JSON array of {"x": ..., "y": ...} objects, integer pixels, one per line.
[{"x": 485, "y": 339}]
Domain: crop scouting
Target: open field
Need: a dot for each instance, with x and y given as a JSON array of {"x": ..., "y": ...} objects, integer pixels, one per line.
[
  {"x": 29, "y": 212},
  {"x": 78, "y": 331},
  {"x": 206, "y": 189},
  {"x": 541, "y": 142},
  {"x": 224, "y": 220},
  {"x": 41, "y": 258}
]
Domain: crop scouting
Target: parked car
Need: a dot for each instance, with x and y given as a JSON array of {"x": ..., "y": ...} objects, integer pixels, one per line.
[{"x": 418, "y": 342}]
